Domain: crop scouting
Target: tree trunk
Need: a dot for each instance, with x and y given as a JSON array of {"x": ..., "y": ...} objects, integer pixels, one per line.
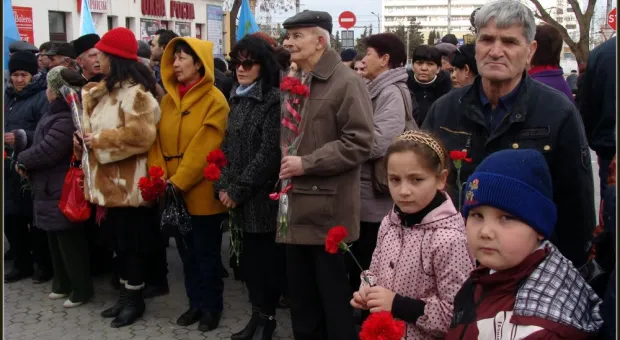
[{"x": 233, "y": 22}]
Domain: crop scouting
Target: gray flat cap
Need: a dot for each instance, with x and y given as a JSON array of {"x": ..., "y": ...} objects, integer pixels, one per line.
[
  {"x": 16, "y": 46},
  {"x": 309, "y": 19}
]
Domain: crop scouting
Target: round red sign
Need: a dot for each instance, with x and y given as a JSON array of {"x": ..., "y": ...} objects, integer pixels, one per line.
[
  {"x": 611, "y": 19},
  {"x": 347, "y": 20}
]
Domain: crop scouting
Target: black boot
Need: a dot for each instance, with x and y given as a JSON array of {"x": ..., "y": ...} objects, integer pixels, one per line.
[
  {"x": 42, "y": 275},
  {"x": 132, "y": 310},
  {"x": 247, "y": 332},
  {"x": 265, "y": 329},
  {"x": 115, "y": 310},
  {"x": 16, "y": 274},
  {"x": 209, "y": 321}
]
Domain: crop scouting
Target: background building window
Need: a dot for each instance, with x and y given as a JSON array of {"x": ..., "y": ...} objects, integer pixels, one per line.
[
  {"x": 58, "y": 26},
  {"x": 130, "y": 23},
  {"x": 112, "y": 22}
]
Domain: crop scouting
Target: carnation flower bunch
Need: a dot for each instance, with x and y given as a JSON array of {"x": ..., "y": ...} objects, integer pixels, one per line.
[{"x": 152, "y": 186}]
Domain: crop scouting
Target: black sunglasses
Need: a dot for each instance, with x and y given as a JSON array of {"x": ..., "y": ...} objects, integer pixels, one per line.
[{"x": 245, "y": 64}]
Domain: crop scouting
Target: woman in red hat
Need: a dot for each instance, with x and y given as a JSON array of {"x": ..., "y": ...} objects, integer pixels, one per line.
[{"x": 120, "y": 114}]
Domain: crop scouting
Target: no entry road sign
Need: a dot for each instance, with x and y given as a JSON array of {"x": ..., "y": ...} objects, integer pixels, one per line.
[{"x": 347, "y": 20}]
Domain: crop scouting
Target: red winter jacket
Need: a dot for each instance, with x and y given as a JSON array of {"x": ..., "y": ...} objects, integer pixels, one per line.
[{"x": 544, "y": 297}]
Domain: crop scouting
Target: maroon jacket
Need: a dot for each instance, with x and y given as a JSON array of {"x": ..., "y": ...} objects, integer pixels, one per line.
[{"x": 544, "y": 297}]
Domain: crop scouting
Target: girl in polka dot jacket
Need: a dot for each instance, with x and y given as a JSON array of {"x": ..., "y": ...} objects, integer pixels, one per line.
[{"x": 421, "y": 257}]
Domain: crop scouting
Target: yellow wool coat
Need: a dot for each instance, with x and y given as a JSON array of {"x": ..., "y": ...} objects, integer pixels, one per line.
[{"x": 189, "y": 129}]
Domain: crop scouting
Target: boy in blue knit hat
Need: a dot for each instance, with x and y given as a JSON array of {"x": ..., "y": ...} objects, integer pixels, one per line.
[{"x": 524, "y": 287}]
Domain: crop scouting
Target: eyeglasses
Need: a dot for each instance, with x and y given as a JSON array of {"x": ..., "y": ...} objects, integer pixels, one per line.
[{"x": 246, "y": 64}]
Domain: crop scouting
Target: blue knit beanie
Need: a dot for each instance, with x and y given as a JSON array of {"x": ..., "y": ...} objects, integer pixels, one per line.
[
  {"x": 348, "y": 54},
  {"x": 517, "y": 182}
]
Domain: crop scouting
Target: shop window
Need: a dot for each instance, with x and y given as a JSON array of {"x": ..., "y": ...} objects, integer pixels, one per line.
[
  {"x": 58, "y": 26},
  {"x": 112, "y": 22},
  {"x": 199, "y": 31},
  {"x": 130, "y": 23}
]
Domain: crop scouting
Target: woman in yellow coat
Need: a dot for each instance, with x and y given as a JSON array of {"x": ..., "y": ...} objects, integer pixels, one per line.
[{"x": 193, "y": 123}]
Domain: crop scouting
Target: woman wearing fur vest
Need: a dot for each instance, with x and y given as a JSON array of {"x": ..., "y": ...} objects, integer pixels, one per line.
[
  {"x": 193, "y": 122},
  {"x": 120, "y": 117}
]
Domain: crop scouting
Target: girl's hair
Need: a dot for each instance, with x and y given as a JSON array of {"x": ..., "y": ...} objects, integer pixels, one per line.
[
  {"x": 256, "y": 49},
  {"x": 130, "y": 71},
  {"x": 427, "y": 147},
  {"x": 182, "y": 46}
]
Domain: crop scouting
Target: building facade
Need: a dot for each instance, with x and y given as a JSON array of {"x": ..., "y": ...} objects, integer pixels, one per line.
[
  {"x": 431, "y": 14},
  {"x": 59, "y": 20}
]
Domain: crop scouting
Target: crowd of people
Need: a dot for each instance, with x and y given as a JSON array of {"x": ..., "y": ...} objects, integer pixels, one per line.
[{"x": 464, "y": 182}]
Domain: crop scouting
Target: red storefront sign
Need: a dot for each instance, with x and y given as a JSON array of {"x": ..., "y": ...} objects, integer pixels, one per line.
[
  {"x": 94, "y": 5},
  {"x": 182, "y": 10},
  {"x": 23, "y": 19},
  {"x": 155, "y": 8}
]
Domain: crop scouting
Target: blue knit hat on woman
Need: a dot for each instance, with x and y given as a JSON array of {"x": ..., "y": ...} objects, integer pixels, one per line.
[{"x": 517, "y": 182}]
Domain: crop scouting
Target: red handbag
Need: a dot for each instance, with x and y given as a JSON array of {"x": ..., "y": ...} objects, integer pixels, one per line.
[{"x": 72, "y": 200}]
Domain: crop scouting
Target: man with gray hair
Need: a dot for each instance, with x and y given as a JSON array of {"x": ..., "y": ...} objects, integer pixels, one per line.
[
  {"x": 505, "y": 108},
  {"x": 337, "y": 139}
]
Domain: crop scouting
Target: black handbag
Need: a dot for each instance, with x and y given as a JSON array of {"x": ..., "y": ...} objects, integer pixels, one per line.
[{"x": 174, "y": 216}]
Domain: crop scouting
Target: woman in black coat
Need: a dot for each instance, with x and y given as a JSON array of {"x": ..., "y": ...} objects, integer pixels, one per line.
[
  {"x": 251, "y": 145},
  {"x": 24, "y": 104},
  {"x": 46, "y": 164}
]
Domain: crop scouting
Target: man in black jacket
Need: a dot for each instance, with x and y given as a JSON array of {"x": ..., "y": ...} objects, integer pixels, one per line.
[
  {"x": 505, "y": 108},
  {"x": 597, "y": 105}
]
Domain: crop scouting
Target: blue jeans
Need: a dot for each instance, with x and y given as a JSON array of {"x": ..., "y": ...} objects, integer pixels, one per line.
[{"x": 203, "y": 263}]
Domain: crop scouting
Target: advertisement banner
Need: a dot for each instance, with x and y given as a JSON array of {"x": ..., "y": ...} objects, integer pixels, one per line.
[
  {"x": 23, "y": 19},
  {"x": 183, "y": 29},
  {"x": 215, "y": 30},
  {"x": 148, "y": 27}
]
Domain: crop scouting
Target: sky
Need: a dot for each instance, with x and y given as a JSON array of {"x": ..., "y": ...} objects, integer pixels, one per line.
[{"x": 361, "y": 8}]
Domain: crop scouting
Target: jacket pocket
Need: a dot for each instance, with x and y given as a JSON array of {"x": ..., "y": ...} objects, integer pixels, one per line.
[
  {"x": 312, "y": 205},
  {"x": 542, "y": 145}
]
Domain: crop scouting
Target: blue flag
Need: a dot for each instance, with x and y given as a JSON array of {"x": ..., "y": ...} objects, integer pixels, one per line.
[
  {"x": 11, "y": 34},
  {"x": 86, "y": 20},
  {"x": 247, "y": 23}
]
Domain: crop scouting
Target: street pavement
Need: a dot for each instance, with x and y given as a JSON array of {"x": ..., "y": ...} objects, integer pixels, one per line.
[{"x": 29, "y": 314}]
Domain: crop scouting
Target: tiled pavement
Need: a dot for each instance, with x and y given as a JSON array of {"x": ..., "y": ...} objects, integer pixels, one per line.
[{"x": 29, "y": 314}]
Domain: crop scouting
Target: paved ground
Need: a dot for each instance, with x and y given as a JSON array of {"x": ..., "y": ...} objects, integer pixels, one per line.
[{"x": 29, "y": 314}]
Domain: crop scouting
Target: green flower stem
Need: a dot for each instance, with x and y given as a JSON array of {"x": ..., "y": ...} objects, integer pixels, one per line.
[{"x": 346, "y": 248}]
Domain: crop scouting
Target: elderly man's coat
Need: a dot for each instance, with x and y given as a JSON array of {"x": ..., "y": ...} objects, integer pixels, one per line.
[{"x": 337, "y": 139}]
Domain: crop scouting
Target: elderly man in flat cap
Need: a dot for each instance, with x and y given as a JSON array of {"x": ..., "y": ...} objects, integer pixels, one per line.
[
  {"x": 87, "y": 57},
  {"x": 337, "y": 139},
  {"x": 61, "y": 54}
]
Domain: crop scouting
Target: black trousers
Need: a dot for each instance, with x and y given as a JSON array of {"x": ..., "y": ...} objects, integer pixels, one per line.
[
  {"x": 133, "y": 237},
  {"x": 259, "y": 260},
  {"x": 319, "y": 293},
  {"x": 23, "y": 239},
  {"x": 203, "y": 263},
  {"x": 69, "y": 249},
  {"x": 362, "y": 249}
]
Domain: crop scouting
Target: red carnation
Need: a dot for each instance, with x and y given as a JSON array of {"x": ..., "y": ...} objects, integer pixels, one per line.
[
  {"x": 144, "y": 183},
  {"x": 301, "y": 90},
  {"x": 382, "y": 326},
  {"x": 457, "y": 155},
  {"x": 288, "y": 83},
  {"x": 218, "y": 158},
  {"x": 334, "y": 237},
  {"x": 212, "y": 173},
  {"x": 158, "y": 185},
  {"x": 156, "y": 172}
]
